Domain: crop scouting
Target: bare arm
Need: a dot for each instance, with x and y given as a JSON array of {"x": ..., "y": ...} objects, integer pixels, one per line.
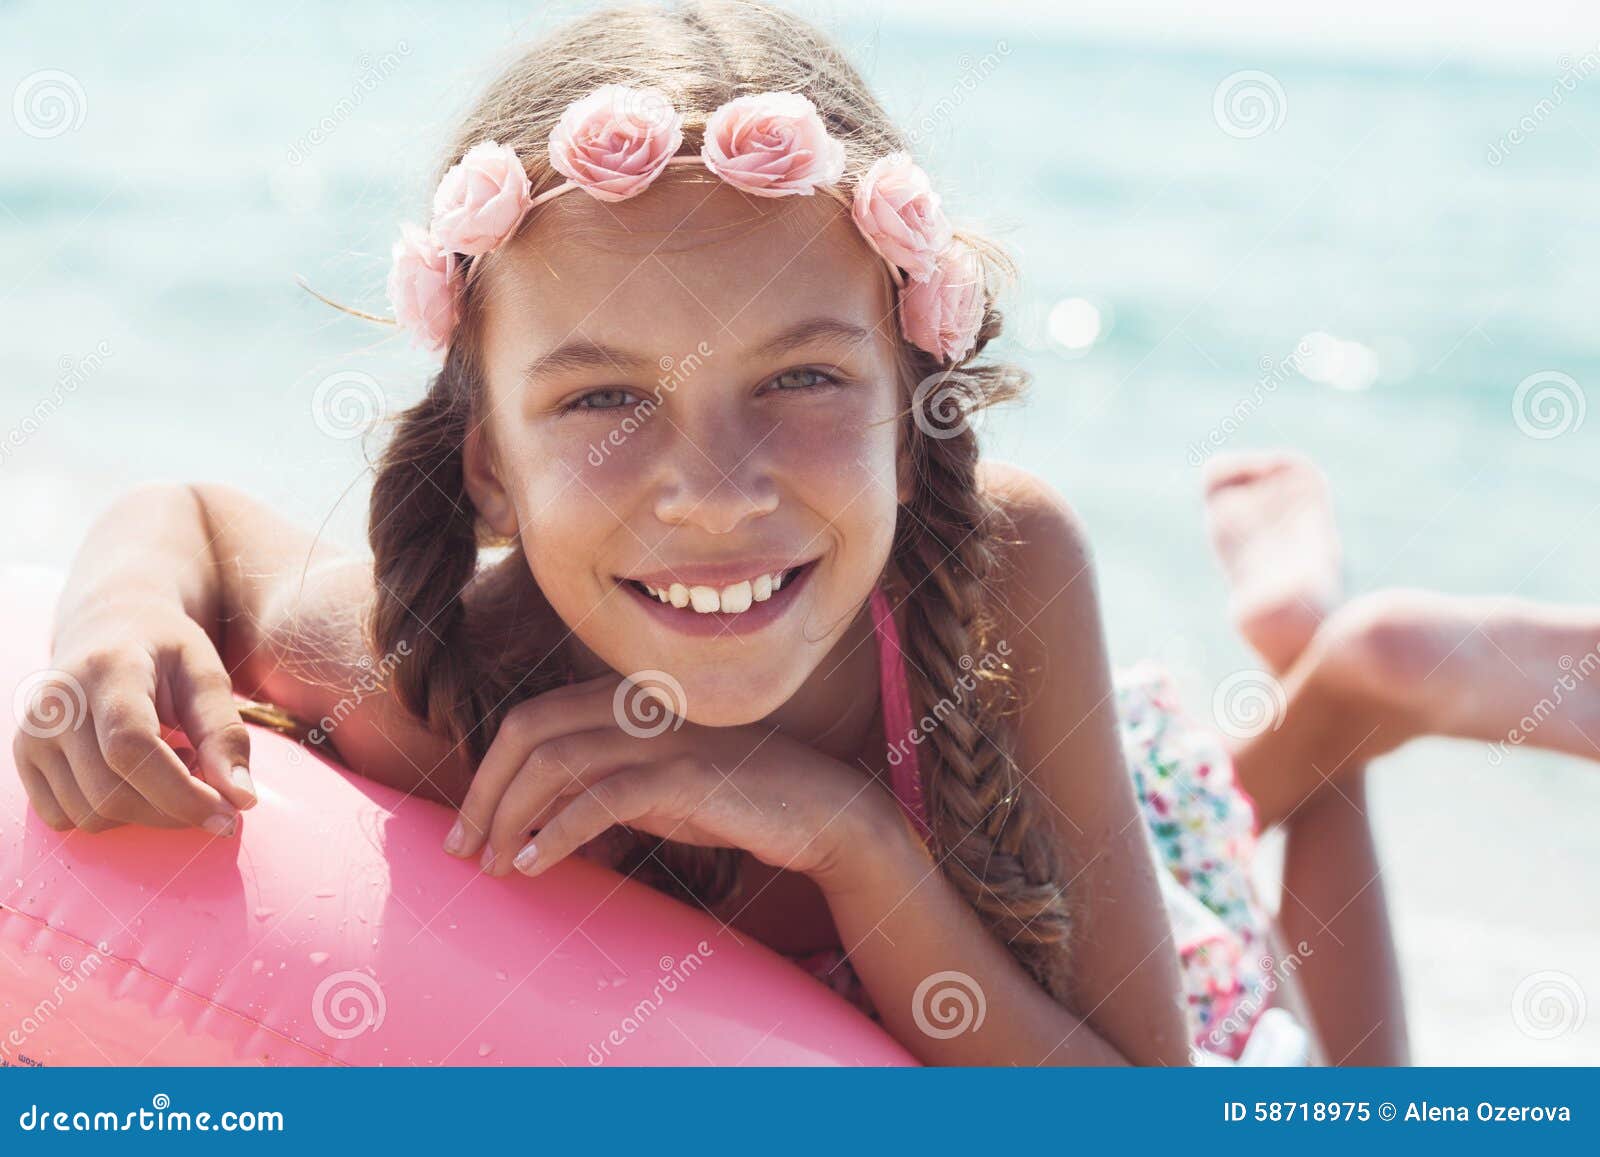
[{"x": 178, "y": 596}]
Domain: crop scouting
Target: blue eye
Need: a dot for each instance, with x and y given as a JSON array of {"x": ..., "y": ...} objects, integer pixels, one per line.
[
  {"x": 788, "y": 376},
  {"x": 611, "y": 399}
]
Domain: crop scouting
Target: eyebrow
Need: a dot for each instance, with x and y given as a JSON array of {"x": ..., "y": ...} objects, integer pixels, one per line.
[{"x": 582, "y": 353}]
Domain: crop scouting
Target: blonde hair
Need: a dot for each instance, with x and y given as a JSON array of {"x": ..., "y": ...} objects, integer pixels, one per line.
[{"x": 467, "y": 669}]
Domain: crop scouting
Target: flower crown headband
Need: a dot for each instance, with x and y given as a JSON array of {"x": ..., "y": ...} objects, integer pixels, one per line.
[{"x": 615, "y": 142}]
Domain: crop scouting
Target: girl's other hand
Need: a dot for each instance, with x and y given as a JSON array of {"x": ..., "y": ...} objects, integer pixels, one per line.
[
  {"x": 143, "y": 666},
  {"x": 570, "y": 765}
]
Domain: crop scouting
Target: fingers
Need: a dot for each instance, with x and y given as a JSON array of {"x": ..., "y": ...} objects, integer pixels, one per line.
[
  {"x": 40, "y": 797},
  {"x": 68, "y": 794},
  {"x": 109, "y": 796},
  {"x": 128, "y": 734},
  {"x": 554, "y": 772},
  {"x": 624, "y": 798},
  {"x": 203, "y": 700},
  {"x": 579, "y": 707}
]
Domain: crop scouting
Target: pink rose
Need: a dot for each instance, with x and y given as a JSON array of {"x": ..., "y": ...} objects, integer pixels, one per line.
[
  {"x": 422, "y": 288},
  {"x": 616, "y": 140},
  {"x": 772, "y": 144},
  {"x": 943, "y": 314},
  {"x": 481, "y": 200},
  {"x": 898, "y": 211}
]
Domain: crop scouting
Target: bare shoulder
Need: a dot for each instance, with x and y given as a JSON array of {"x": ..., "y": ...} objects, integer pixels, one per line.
[{"x": 1047, "y": 574}]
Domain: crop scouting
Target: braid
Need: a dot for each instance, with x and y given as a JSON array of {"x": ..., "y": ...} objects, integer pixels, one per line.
[
  {"x": 990, "y": 835},
  {"x": 423, "y": 535}
]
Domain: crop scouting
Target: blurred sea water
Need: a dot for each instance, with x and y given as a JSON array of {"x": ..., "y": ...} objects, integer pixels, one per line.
[{"x": 1390, "y": 264}]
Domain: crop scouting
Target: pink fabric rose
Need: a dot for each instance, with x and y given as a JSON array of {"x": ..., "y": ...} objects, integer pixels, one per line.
[
  {"x": 897, "y": 210},
  {"x": 943, "y": 314},
  {"x": 481, "y": 200},
  {"x": 615, "y": 141},
  {"x": 422, "y": 288},
  {"x": 772, "y": 144}
]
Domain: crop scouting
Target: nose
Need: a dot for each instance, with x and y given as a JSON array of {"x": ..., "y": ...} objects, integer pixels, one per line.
[{"x": 717, "y": 481}]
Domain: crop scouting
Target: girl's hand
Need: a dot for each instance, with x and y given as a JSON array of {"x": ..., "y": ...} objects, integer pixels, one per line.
[
  {"x": 89, "y": 746},
  {"x": 576, "y": 761}
]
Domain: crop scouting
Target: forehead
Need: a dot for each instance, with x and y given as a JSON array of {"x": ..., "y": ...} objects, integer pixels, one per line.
[{"x": 690, "y": 260}]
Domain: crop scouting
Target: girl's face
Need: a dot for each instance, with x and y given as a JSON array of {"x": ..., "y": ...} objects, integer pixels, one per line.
[{"x": 694, "y": 393}]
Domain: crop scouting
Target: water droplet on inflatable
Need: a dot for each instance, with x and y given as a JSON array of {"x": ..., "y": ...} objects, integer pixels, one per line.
[
  {"x": 325, "y": 894},
  {"x": 263, "y": 913},
  {"x": 485, "y": 1049},
  {"x": 256, "y": 966},
  {"x": 319, "y": 958},
  {"x": 499, "y": 974}
]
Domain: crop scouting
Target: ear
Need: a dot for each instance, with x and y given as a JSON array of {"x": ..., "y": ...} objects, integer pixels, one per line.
[{"x": 484, "y": 486}]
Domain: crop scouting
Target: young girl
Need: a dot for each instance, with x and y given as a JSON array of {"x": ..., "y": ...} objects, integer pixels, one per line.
[{"x": 708, "y": 339}]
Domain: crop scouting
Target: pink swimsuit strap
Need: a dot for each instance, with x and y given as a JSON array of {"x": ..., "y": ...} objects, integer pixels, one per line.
[{"x": 905, "y": 775}]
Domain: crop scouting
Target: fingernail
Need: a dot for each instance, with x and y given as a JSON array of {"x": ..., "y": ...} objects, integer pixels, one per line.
[
  {"x": 487, "y": 859},
  {"x": 456, "y": 842},
  {"x": 526, "y": 857},
  {"x": 219, "y": 824},
  {"x": 241, "y": 780}
]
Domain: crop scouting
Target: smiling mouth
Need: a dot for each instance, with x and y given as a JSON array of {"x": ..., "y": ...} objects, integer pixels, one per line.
[{"x": 728, "y": 599}]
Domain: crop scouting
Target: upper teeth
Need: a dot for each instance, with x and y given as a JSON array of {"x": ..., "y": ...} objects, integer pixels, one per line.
[{"x": 730, "y": 600}]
